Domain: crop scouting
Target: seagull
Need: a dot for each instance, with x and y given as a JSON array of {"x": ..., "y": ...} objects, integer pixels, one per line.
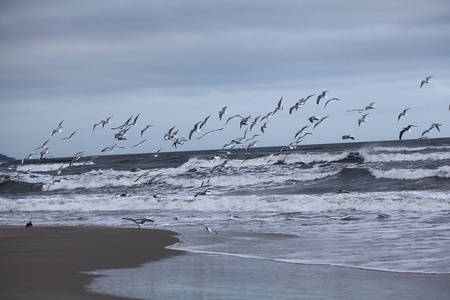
[
  {"x": 170, "y": 135},
  {"x": 58, "y": 129},
  {"x": 209, "y": 230},
  {"x": 30, "y": 156},
  {"x": 323, "y": 95},
  {"x": 135, "y": 120},
  {"x": 153, "y": 178},
  {"x": 332, "y": 99},
  {"x": 222, "y": 112},
  {"x": 209, "y": 132},
  {"x": 203, "y": 193},
  {"x": 156, "y": 154},
  {"x": 309, "y": 96},
  {"x": 43, "y": 145},
  {"x": 139, "y": 144},
  {"x": 279, "y": 107},
  {"x": 76, "y": 157},
  {"x": 111, "y": 148},
  {"x": 426, "y": 80},
  {"x": 320, "y": 121},
  {"x": 347, "y": 136},
  {"x": 436, "y": 125},
  {"x": 370, "y": 106},
  {"x": 313, "y": 118},
  {"x": 301, "y": 130},
  {"x": 204, "y": 122},
  {"x": 264, "y": 126},
  {"x": 403, "y": 113},
  {"x": 363, "y": 119},
  {"x": 252, "y": 144},
  {"x": 58, "y": 171},
  {"x": 102, "y": 122},
  {"x": 296, "y": 106},
  {"x": 195, "y": 129},
  {"x": 69, "y": 137},
  {"x": 178, "y": 141},
  {"x": 146, "y": 128},
  {"x": 426, "y": 131},
  {"x": 407, "y": 128},
  {"x": 139, "y": 222},
  {"x": 233, "y": 117}
]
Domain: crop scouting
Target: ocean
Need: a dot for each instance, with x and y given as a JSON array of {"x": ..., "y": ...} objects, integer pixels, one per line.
[{"x": 374, "y": 206}]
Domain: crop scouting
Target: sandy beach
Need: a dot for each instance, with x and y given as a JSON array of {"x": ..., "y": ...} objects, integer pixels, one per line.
[{"x": 46, "y": 262}]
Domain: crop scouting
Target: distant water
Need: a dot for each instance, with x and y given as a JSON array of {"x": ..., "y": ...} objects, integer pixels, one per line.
[{"x": 376, "y": 206}]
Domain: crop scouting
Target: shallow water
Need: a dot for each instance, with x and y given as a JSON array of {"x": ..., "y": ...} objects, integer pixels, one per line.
[{"x": 203, "y": 276}]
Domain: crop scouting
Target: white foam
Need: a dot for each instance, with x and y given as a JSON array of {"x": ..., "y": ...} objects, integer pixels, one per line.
[
  {"x": 377, "y": 201},
  {"x": 392, "y": 157},
  {"x": 441, "y": 172}
]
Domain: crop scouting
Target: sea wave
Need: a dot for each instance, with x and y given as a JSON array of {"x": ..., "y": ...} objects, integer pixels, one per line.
[
  {"x": 399, "y": 157},
  {"x": 376, "y": 201},
  {"x": 441, "y": 172}
]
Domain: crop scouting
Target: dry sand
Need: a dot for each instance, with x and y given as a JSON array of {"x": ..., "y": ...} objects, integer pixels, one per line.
[{"x": 45, "y": 262}]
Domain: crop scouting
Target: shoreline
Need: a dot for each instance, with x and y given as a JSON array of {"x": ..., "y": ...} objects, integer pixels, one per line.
[{"x": 50, "y": 262}]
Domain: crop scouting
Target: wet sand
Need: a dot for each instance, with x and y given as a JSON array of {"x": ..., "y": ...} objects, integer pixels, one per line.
[{"x": 46, "y": 262}]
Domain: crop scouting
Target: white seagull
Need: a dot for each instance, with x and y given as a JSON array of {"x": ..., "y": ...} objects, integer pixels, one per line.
[
  {"x": 320, "y": 121},
  {"x": 332, "y": 99},
  {"x": 209, "y": 230},
  {"x": 222, "y": 112},
  {"x": 146, "y": 128},
  {"x": 69, "y": 137},
  {"x": 363, "y": 119},
  {"x": 58, "y": 129},
  {"x": 407, "y": 128},
  {"x": 426, "y": 80},
  {"x": 403, "y": 113},
  {"x": 139, "y": 222},
  {"x": 323, "y": 95}
]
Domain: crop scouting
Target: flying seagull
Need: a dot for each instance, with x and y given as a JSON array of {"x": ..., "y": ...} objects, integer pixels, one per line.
[
  {"x": 363, "y": 119},
  {"x": 138, "y": 144},
  {"x": 139, "y": 222},
  {"x": 209, "y": 230},
  {"x": 403, "y": 113},
  {"x": 58, "y": 129},
  {"x": 222, "y": 112},
  {"x": 407, "y": 128},
  {"x": 426, "y": 80},
  {"x": 320, "y": 121},
  {"x": 347, "y": 137},
  {"x": 209, "y": 132},
  {"x": 146, "y": 128},
  {"x": 332, "y": 99},
  {"x": 323, "y": 95}
]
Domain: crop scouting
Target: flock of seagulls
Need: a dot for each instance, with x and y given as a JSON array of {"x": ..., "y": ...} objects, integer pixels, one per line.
[{"x": 260, "y": 123}]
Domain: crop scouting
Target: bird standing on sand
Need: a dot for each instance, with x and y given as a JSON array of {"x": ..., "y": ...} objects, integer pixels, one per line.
[
  {"x": 139, "y": 222},
  {"x": 426, "y": 80}
]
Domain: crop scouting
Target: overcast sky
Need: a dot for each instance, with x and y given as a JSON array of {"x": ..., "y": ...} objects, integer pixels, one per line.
[{"x": 176, "y": 62}]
